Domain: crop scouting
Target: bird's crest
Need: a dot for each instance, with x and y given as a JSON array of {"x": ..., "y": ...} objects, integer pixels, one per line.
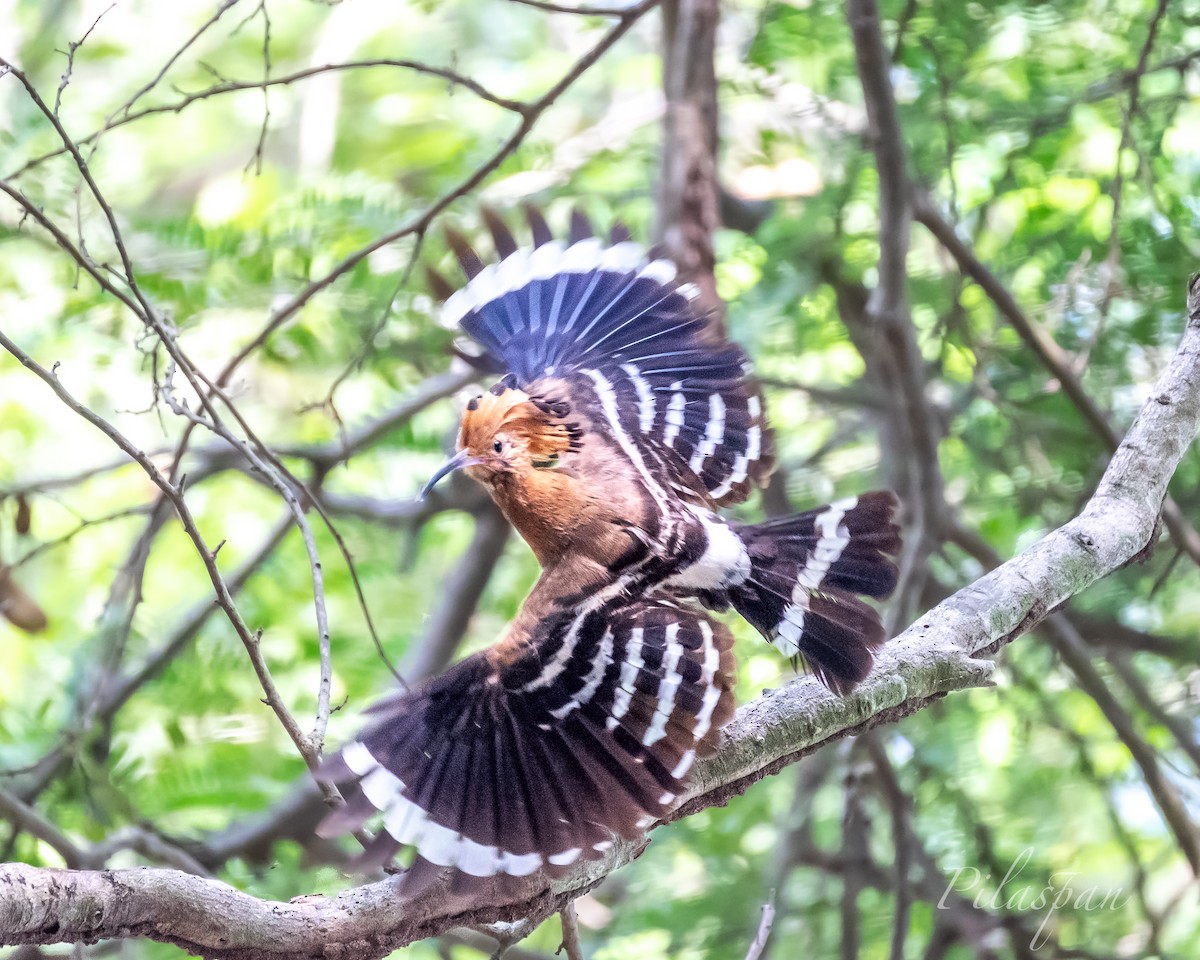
[{"x": 537, "y": 424}]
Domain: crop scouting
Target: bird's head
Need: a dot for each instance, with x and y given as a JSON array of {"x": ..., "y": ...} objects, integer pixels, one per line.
[{"x": 507, "y": 432}]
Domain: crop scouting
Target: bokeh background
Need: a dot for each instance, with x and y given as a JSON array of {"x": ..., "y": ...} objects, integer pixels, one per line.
[{"x": 1058, "y": 141}]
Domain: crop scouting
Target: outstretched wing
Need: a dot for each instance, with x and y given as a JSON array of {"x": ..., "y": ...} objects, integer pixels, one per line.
[
  {"x": 607, "y": 315},
  {"x": 504, "y": 768}
]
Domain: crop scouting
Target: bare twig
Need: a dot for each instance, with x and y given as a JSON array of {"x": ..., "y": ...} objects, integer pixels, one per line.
[
  {"x": 26, "y": 818},
  {"x": 257, "y": 159},
  {"x": 855, "y": 854},
  {"x": 122, "y": 118},
  {"x": 460, "y": 595},
  {"x": 1180, "y": 727},
  {"x": 583, "y": 10},
  {"x": 570, "y": 933},
  {"x": 759, "y": 943},
  {"x": 1112, "y": 262},
  {"x": 72, "y": 49},
  {"x": 269, "y": 466},
  {"x": 1171, "y": 805},
  {"x": 422, "y": 222},
  {"x": 897, "y": 803},
  {"x": 1076, "y": 655},
  {"x": 223, "y": 7},
  {"x": 85, "y": 524},
  {"x": 417, "y": 227}
]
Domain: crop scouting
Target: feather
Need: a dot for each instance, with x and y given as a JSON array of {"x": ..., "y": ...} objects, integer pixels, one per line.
[
  {"x": 581, "y": 227},
  {"x": 486, "y": 772},
  {"x": 501, "y": 236}
]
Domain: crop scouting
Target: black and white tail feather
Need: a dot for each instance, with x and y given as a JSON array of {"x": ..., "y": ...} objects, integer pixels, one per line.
[
  {"x": 587, "y": 733},
  {"x": 806, "y": 575},
  {"x": 613, "y": 317}
]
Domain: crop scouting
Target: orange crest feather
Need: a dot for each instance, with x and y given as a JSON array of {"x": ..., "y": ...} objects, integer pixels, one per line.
[{"x": 529, "y": 421}]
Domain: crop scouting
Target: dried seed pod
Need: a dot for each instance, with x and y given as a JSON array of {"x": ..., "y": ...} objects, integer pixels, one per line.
[
  {"x": 24, "y": 514},
  {"x": 18, "y": 607}
]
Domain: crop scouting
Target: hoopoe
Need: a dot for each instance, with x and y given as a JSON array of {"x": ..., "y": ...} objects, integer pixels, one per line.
[{"x": 620, "y": 424}]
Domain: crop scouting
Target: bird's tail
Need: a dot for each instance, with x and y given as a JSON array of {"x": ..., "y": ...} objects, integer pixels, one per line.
[{"x": 807, "y": 573}]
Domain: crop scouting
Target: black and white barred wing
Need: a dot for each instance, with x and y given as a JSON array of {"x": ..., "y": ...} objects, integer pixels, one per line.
[
  {"x": 537, "y": 764},
  {"x": 610, "y": 315}
]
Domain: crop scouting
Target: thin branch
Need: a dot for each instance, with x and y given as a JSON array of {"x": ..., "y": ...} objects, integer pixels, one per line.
[
  {"x": 855, "y": 856},
  {"x": 898, "y": 808},
  {"x": 570, "y": 933},
  {"x": 460, "y": 595},
  {"x": 1104, "y": 785},
  {"x": 269, "y": 466},
  {"x": 72, "y": 49},
  {"x": 24, "y": 817},
  {"x": 1110, "y": 87},
  {"x": 1181, "y": 728},
  {"x": 1171, "y": 805},
  {"x": 1126, "y": 140},
  {"x": 583, "y": 11},
  {"x": 862, "y": 394},
  {"x": 759, "y": 943},
  {"x": 422, "y": 222},
  {"x": 283, "y": 80},
  {"x": 45, "y": 546},
  {"x": 223, "y": 7},
  {"x": 1074, "y": 652}
]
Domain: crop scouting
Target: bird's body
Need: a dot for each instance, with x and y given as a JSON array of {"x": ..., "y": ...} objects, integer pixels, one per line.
[{"x": 620, "y": 425}]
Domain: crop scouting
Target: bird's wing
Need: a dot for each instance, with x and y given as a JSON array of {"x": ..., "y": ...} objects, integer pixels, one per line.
[
  {"x": 533, "y": 761},
  {"x": 610, "y": 315}
]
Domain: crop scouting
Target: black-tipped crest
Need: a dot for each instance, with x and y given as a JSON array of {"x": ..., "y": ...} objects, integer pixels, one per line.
[
  {"x": 501, "y": 236},
  {"x": 441, "y": 288},
  {"x": 581, "y": 226},
  {"x": 538, "y": 226},
  {"x": 468, "y": 259}
]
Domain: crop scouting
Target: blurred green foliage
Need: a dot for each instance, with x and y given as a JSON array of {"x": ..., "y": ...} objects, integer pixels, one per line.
[{"x": 1016, "y": 116}]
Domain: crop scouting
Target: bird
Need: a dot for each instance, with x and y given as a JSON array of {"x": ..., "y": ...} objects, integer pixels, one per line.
[{"x": 621, "y": 421}]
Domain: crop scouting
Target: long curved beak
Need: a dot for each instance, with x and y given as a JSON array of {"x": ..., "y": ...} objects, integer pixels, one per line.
[{"x": 457, "y": 462}]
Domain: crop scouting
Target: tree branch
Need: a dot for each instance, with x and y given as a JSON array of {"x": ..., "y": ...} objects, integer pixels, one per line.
[
  {"x": 889, "y": 342},
  {"x": 688, "y": 204},
  {"x": 936, "y": 655}
]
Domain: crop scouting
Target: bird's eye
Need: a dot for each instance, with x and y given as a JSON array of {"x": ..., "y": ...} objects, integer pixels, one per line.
[{"x": 498, "y": 446}]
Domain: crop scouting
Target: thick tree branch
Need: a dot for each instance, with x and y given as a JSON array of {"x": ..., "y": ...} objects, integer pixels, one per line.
[
  {"x": 688, "y": 204},
  {"x": 887, "y": 337},
  {"x": 934, "y": 656}
]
